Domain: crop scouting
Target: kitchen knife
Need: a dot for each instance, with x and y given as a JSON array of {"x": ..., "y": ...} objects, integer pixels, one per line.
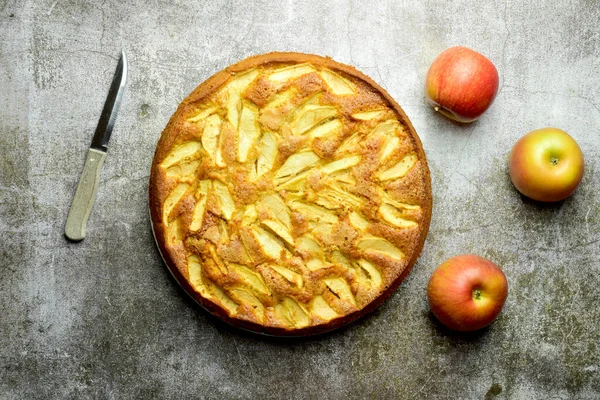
[{"x": 90, "y": 177}]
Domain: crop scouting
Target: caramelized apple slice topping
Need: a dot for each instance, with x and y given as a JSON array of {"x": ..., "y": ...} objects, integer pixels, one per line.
[
  {"x": 344, "y": 177},
  {"x": 270, "y": 246},
  {"x": 341, "y": 164},
  {"x": 281, "y": 99},
  {"x": 251, "y": 278},
  {"x": 276, "y": 111},
  {"x": 307, "y": 244},
  {"x": 387, "y": 133},
  {"x": 387, "y": 199},
  {"x": 174, "y": 233},
  {"x": 291, "y": 276},
  {"x": 390, "y": 145},
  {"x": 322, "y": 310},
  {"x": 367, "y": 115},
  {"x": 224, "y": 237},
  {"x": 338, "y": 85},
  {"x": 350, "y": 144},
  {"x": 358, "y": 221},
  {"x": 233, "y": 92},
  {"x": 275, "y": 208},
  {"x": 279, "y": 229},
  {"x": 213, "y": 254},
  {"x": 311, "y": 115},
  {"x": 228, "y": 304},
  {"x": 332, "y": 197},
  {"x": 249, "y": 131},
  {"x": 373, "y": 273},
  {"x": 295, "y": 183},
  {"x": 374, "y": 244},
  {"x": 314, "y": 213},
  {"x": 267, "y": 153},
  {"x": 339, "y": 258},
  {"x": 395, "y": 217},
  {"x": 243, "y": 296},
  {"x": 210, "y": 136},
  {"x": 199, "y": 208},
  {"x": 277, "y": 217},
  {"x": 184, "y": 152},
  {"x": 250, "y": 215},
  {"x": 386, "y": 129},
  {"x": 291, "y": 72},
  {"x": 226, "y": 202},
  {"x": 202, "y": 114},
  {"x": 171, "y": 201},
  {"x": 183, "y": 171},
  {"x": 328, "y": 129},
  {"x": 195, "y": 275},
  {"x": 341, "y": 289},
  {"x": 399, "y": 169},
  {"x": 297, "y": 163},
  {"x": 293, "y": 313}
]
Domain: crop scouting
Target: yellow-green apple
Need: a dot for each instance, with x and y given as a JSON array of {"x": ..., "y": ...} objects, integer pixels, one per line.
[
  {"x": 461, "y": 84},
  {"x": 467, "y": 292},
  {"x": 546, "y": 165}
]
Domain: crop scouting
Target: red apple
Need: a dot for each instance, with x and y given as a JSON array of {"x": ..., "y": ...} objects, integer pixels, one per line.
[
  {"x": 467, "y": 292},
  {"x": 546, "y": 165},
  {"x": 461, "y": 84}
]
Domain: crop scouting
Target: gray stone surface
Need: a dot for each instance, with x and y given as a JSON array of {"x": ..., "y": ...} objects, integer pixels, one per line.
[{"x": 103, "y": 319}]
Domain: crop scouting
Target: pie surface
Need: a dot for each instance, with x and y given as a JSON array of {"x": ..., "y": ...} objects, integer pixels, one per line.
[{"x": 289, "y": 194}]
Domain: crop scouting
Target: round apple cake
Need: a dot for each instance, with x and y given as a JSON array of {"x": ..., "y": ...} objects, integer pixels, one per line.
[{"x": 289, "y": 194}]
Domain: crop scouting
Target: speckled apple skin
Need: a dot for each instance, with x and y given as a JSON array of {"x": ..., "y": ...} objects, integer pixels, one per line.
[
  {"x": 461, "y": 84},
  {"x": 451, "y": 292},
  {"x": 546, "y": 165}
]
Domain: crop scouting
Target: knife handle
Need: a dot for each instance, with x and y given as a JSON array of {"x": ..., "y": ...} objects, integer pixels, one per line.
[{"x": 85, "y": 195}]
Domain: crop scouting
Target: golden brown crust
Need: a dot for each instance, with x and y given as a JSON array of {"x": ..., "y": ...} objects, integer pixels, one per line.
[{"x": 413, "y": 188}]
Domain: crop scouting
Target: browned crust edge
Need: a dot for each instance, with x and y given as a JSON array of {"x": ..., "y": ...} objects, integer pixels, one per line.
[{"x": 208, "y": 87}]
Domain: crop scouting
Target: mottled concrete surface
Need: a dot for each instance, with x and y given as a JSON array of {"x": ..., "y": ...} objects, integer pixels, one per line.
[{"x": 103, "y": 319}]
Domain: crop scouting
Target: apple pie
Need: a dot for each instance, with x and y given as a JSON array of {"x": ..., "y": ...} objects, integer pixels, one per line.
[{"x": 289, "y": 194}]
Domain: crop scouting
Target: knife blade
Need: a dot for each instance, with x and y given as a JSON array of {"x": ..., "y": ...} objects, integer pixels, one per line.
[{"x": 85, "y": 195}]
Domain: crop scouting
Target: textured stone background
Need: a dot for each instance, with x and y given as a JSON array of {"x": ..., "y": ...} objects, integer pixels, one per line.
[{"x": 103, "y": 319}]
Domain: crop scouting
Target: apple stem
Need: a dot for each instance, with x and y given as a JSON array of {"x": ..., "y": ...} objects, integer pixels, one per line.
[{"x": 436, "y": 108}]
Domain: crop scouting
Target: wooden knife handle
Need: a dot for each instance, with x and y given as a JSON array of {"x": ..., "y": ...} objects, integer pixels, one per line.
[{"x": 84, "y": 196}]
